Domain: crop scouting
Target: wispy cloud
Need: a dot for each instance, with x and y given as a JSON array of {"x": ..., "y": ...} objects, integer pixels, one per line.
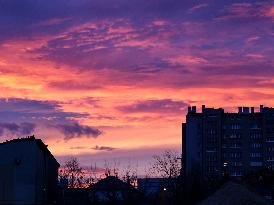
[
  {"x": 155, "y": 106},
  {"x": 198, "y": 6},
  {"x": 97, "y": 148},
  {"x": 103, "y": 148}
]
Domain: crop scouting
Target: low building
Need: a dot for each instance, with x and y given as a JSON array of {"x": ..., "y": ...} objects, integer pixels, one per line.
[
  {"x": 112, "y": 190},
  {"x": 151, "y": 186},
  {"x": 162, "y": 191},
  {"x": 28, "y": 172}
]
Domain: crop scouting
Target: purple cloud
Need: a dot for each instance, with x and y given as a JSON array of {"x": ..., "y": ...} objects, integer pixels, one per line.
[
  {"x": 21, "y": 129},
  {"x": 103, "y": 148},
  {"x": 37, "y": 113},
  {"x": 27, "y": 105},
  {"x": 73, "y": 85},
  {"x": 97, "y": 147},
  {"x": 75, "y": 130},
  {"x": 32, "y": 110},
  {"x": 155, "y": 106}
]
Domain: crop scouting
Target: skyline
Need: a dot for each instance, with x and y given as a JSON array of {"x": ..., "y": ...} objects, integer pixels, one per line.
[{"x": 113, "y": 79}]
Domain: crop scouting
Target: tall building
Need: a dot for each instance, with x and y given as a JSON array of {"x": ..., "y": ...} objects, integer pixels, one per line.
[
  {"x": 218, "y": 143},
  {"x": 28, "y": 172}
]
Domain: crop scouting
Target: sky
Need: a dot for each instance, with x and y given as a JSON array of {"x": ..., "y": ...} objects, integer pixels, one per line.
[{"x": 112, "y": 79}]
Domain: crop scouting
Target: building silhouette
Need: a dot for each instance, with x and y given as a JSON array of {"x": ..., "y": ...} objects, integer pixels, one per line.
[
  {"x": 28, "y": 172},
  {"x": 113, "y": 191},
  {"x": 218, "y": 144}
]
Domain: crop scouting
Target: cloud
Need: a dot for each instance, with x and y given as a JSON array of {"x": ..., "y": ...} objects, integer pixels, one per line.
[
  {"x": 75, "y": 130},
  {"x": 32, "y": 110},
  {"x": 103, "y": 148},
  {"x": 270, "y": 12},
  {"x": 79, "y": 147},
  {"x": 98, "y": 148},
  {"x": 73, "y": 85},
  {"x": 115, "y": 44},
  {"x": 248, "y": 11},
  {"x": 155, "y": 106},
  {"x": 21, "y": 129},
  {"x": 16, "y": 111},
  {"x": 27, "y": 105},
  {"x": 31, "y": 18},
  {"x": 198, "y": 6}
]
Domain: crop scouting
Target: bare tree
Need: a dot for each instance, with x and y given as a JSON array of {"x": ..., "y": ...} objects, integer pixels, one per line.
[
  {"x": 126, "y": 172},
  {"x": 73, "y": 173},
  {"x": 166, "y": 165},
  {"x": 112, "y": 169},
  {"x": 129, "y": 174}
]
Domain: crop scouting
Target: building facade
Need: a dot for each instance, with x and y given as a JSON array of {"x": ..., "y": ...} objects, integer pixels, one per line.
[
  {"x": 28, "y": 172},
  {"x": 218, "y": 143}
]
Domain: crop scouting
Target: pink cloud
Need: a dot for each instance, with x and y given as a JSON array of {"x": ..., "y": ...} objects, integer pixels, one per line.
[{"x": 198, "y": 6}]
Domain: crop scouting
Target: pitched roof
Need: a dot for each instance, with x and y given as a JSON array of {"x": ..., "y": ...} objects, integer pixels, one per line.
[
  {"x": 234, "y": 194},
  {"x": 112, "y": 183}
]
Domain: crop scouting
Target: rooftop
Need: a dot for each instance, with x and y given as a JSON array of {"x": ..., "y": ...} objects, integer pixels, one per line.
[
  {"x": 42, "y": 146},
  {"x": 235, "y": 194}
]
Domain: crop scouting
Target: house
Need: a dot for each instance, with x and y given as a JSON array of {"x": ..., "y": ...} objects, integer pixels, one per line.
[
  {"x": 113, "y": 191},
  {"x": 28, "y": 172}
]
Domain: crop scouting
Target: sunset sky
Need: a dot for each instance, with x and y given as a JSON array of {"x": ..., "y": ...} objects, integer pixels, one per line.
[{"x": 112, "y": 79}]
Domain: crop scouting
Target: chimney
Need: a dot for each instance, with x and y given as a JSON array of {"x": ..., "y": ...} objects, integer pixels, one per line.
[
  {"x": 203, "y": 108},
  {"x": 240, "y": 109},
  {"x": 252, "y": 109},
  {"x": 194, "y": 109},
  {"x": 261, "y": 108},
  {"x": 189, "y": 109},
  {"x": 246, "y": 110}
]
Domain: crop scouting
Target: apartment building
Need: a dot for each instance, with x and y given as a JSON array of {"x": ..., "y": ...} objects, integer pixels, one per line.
[{"x": 218, "y": 143}]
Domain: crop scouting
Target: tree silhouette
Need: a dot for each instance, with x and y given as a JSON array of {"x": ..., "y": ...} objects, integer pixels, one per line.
[
  {"x": 166, "y": 165},
  {"x": 73, "y": 173}
]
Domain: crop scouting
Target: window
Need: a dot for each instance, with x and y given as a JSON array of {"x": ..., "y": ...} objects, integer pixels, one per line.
[
  {"x": 256, "y": 145},
  {"x": 270, "y": 149},
  {"x": 232, "y": 145},
  {"x": 236, "y": 164},
  {"x": 235, "y": 154},
  {"x": 270, "y": 139},
  {"x": 236, "y": 174},
  {"x": 256, "y": 164},
  {"x": 235, "y": 126},
  {"x": 255, "y": 135},
  {"x": 232, "y": 154},
  {"x": 270, "y": 158},
  {"x": 254, "y": 127},
  {"x": 256, "y": 154}
]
